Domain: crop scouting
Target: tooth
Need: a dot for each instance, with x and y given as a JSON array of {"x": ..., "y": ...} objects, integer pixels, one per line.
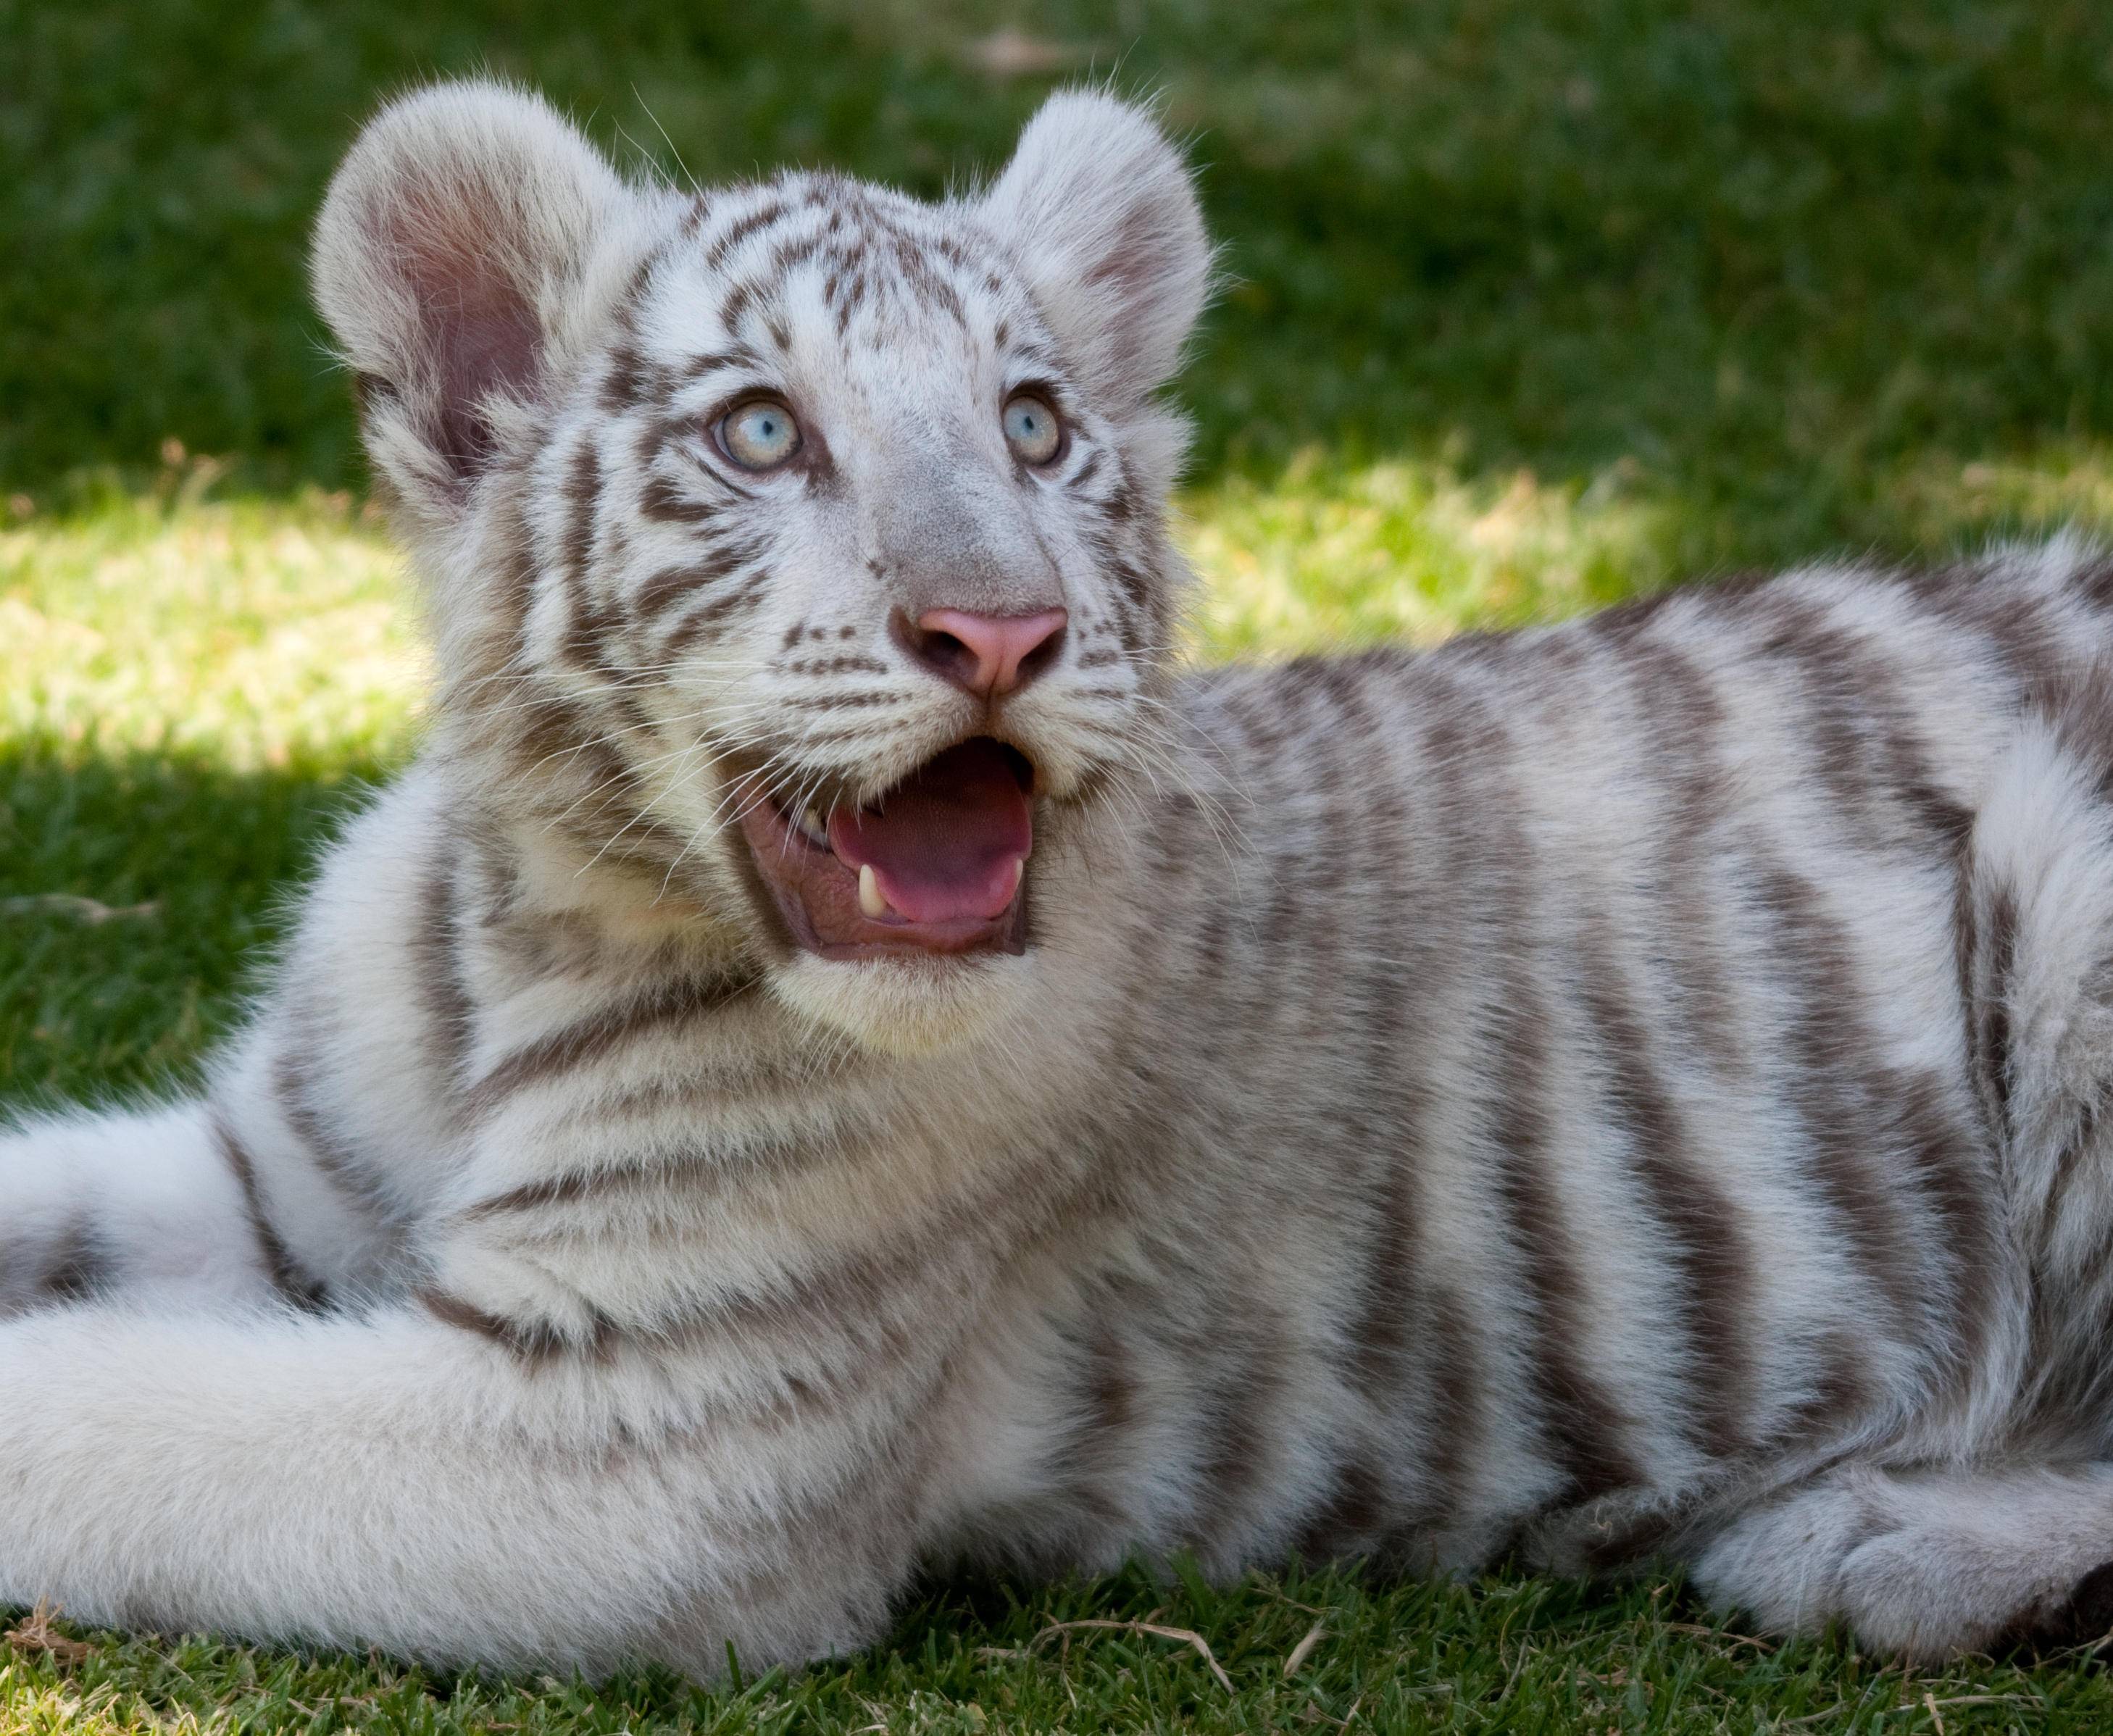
[
  {"x": 1019, "y": 873},
  {"x": 812, "y": 823},
  {"x": 870, "y": 899}
]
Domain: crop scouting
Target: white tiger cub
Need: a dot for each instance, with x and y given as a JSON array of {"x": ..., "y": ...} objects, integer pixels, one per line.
[{"x": 840, "y": 1056}]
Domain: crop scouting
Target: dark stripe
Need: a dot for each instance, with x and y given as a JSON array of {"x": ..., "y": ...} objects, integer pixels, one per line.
[
  {"x": 1684, "y": 724},
  {"x": 563, "y": 1190},
  {"x": 1398, "y": 1364},
  {"x": 1240, "y": 1416},
  {"x": 709, "y": 1167},
  {"x": 1621, "y": 1539},
  {"x": 338, "y": 1161},
  {"x": 516, "y": 568},
  {"x": 737, "y": 302},
  {"x": 1704, "y": 1243},
  {"x": 591, "y": 1039},
  {"x": 625, "y": 312},
  {"x": 850, "y": 662},
  {"x": 436, "y": 962},
  {"x": 675, "y": 584},
  {"x": 2093, "y": 582},
  {"x": 81, "y": 1265},
  {"x": 1992, "y": 1045},
  {"x": 1833, "y": 1080},
  {"x": 1870, "y": 752},
  {"x": 2082, "y": 1146},
  {"x": 286, "y": 1277},
  {"x": 665, "y": 502},
  {"x": 737, "y": 600},
  {"x": 1840, "y": 1385},
  {"x": 1472, "y": 753},
  {"x": 1107, "y": 1415},
  {"x": 1587, "y": 1431},
  {"x": 535, "y": 1343},
  {"x": 585, "y": 646},
  {"x": 623, "y": 386},
  {"x": 640, "y": 839},
  {"x": 1381, "y": 1336},
  {"x": 865, "y": 699},
  {"x": 1959, "y": 1183},
  {"x": 582, "y": 500},
  {"x": 1996, "y": 617},
  {"x": 555, "y": 739},
  {"x": 741, "y": 229},
  {"x": 548, "y": 728},
  {"x": 1352, "y": 1519},
  {"x": 1458, "y": 1414},
  {"x": 1844, "y": 702}
]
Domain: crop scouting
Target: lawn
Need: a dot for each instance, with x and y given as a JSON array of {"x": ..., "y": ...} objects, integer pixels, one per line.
[{"x": 1530, "y": 307}]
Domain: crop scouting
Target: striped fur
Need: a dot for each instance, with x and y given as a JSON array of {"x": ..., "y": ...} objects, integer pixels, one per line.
[{"x": 1629, "y": 1089}]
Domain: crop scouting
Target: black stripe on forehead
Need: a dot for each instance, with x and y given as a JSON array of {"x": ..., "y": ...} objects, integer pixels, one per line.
[
  {"x": 733, "y": 358},
  {"x": 722, "y": 245},
  {"x": 862, "y": 255}
]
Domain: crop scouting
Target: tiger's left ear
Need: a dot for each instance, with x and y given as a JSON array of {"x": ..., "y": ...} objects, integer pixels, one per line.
[{"x": 1100, "y": 213}]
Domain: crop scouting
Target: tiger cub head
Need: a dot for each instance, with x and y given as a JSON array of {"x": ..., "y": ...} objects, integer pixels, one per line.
[{"x": 795, "y": 549}]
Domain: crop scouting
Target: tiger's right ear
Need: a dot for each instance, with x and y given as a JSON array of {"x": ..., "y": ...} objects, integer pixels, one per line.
[{"x": 463, "y": 258}]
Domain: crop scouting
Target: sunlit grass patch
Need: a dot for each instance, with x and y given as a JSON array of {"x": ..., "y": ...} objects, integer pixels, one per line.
[
  {"x": 1330, "y": 556},
  {"x": 1943, "y": 503},
  {"x": 256, "y": 633},
  {"x": 191, "y": 694}
]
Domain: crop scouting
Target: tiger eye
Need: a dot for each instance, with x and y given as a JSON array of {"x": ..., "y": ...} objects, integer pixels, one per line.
[
  {"x": 760, "y": 434},
  {"x": 1032, "y": 430}
]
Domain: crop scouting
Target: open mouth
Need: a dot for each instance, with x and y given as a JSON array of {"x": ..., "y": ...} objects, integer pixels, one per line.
[{"x": 935, "y": 865}]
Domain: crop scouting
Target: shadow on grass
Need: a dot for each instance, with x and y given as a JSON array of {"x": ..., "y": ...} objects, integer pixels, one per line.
[{"x": 92, "y": 1004}]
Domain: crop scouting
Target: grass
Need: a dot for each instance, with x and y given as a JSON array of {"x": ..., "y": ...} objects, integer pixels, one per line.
[
  {"x": 974, "y": 1658},
  {"x": 1531, "y": 305},
  {"x": 189, "y": 692},
  {"x": 1764, "y": 256}
]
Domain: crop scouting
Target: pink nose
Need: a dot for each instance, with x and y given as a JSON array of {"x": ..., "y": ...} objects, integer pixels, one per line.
[{"x": 988, "y": 654}]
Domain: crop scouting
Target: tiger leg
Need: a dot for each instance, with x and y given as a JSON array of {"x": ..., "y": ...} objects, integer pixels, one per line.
[
  {"x": 147, "y": 1202},
  {"x": 1925, "y": 1563},
  {"x": 384, "y": 1477}
]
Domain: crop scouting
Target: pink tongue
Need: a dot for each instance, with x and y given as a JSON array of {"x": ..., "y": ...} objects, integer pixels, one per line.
[{"x": 946, "y": 843}]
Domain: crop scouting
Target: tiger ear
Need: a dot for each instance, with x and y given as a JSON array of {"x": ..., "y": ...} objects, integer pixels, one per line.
[
  {"x": 1099, "y": 212},
  {"x": 458, "y": 258}
]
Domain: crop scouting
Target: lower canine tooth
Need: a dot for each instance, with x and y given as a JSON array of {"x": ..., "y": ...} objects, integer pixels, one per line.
[{"x": 870, "y": 899}]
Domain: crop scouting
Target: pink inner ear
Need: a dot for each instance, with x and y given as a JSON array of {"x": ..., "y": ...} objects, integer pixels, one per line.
[
  {"x": 477, "y": 319},
  {"x": 495, "y": 345}
]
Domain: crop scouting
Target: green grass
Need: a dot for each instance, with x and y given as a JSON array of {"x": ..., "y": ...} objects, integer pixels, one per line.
[
  {"x": 1771, "y": 258},
  {"x": 1531, "y": 305},
  {"x": 189, "y": 693},
  {"x": 976, "y": 1658}
]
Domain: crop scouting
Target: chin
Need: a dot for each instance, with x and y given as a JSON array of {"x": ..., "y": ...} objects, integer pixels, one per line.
[{"x": 908, "y": 1005}]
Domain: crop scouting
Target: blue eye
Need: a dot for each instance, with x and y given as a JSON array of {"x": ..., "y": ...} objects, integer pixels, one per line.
[
  {"x": 760, "y": 434},
  {"x": 1031, "y": 429}
]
